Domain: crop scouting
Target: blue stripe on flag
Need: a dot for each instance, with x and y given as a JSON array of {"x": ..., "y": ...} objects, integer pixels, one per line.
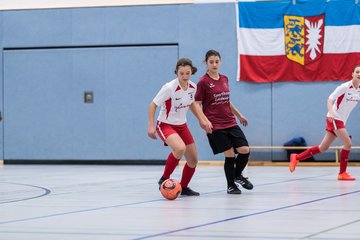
[
  {"x": 270, "y": 14},
  {"x": 262, "y": 14}
]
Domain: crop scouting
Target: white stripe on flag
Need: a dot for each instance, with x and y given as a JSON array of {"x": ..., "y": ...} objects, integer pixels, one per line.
[
  {"x": 261, "y": 42},
  {"x": 270, "y": 42},
  {"x": 342, "y": 39}
]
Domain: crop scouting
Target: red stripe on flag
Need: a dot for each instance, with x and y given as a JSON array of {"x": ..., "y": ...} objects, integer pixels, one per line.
[{"x": 265, "y": 69}]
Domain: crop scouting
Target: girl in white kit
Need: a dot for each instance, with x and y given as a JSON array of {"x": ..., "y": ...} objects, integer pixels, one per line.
[
  {"x": 175, "y": 99},
  {"x": 340, "y": 104}
]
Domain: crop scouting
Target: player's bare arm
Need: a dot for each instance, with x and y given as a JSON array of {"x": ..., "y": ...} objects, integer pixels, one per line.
[
  {"x": 151, "y": 116},
  {"x": 238, "y": 114}
]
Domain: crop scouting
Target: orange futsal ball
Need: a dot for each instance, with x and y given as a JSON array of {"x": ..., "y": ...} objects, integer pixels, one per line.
[{"x": 170, "y": 189}]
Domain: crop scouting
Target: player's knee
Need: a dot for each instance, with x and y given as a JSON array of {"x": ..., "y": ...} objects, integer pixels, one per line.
[
  {"x": 192, "y": 163},
  {"x": 348, "y": 145},
  {"x": 243, "y": 150},
  {"x": 323, "y": 147},
  {"x": 229, "y": 153},
  {"x": 179, "y": 151}
]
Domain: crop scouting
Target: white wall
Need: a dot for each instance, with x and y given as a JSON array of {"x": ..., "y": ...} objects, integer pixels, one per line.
[{"x": 39, "y": 4}]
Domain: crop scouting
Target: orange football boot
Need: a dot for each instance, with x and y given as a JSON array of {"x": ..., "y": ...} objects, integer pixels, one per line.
[
  {"x": 345, "y": 177},
  {"x": 293, "y": 162}
]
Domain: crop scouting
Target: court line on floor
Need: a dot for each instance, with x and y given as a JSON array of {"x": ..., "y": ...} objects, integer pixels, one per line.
[
  {"x": 210, "y": 223},
  {"x": 128, "y": 204},
  {"x": 330, "y": 229},
  {"x": 244, "y": 216},
  {"x": 273, "y": 183},
  {"x": 78, "y": 211},
  {"x": 46, "y": 192}
]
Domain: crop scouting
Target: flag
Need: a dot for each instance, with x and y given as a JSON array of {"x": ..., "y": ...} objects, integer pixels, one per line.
[{"x": 307, "y": 41}]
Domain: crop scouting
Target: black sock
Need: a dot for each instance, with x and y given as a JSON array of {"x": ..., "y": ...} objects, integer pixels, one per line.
[
  {"x": 229, "y": 170},
  {"x": 241, "y": 161}
]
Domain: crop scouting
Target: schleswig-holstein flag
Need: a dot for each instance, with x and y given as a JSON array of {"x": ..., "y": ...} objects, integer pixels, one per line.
[{"x": 313, "y": 40}]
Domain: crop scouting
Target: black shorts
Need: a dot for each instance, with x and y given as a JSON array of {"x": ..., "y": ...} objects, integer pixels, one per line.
[{"x": 224, "y": 139}]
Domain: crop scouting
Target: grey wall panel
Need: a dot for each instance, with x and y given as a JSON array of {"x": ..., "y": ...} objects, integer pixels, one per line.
[
  {"x": 46, "y": 117},
  {"x": 299, "y": 110},
  {"x": 37, "y": 28},
  {"x": 125, "y": 25},
  {"x": 91, "y": 26},
  {"x": 254, "y": 101}
]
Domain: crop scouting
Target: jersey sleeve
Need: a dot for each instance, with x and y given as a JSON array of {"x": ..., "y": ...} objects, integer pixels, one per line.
[
  {"x": 163, "y": 95},
  {"x": 200, "y": 91},
  {"x": 340, "y": 90}
]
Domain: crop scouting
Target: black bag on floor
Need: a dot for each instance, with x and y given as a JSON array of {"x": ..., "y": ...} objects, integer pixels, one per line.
[{"x": 296, "y": 142}]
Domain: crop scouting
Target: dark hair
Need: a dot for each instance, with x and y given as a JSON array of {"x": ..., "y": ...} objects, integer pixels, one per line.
[
  {"x": 212, "y": 53},
  {"x": 356, "y": 67},
  {"x": 182, "y": 62}
]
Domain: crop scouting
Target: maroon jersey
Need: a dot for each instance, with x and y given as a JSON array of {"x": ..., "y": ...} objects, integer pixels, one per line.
[{"x": 215, "y": 98}]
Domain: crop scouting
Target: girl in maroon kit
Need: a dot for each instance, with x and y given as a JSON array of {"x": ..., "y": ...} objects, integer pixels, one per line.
[{"x": 225, "y": 136}]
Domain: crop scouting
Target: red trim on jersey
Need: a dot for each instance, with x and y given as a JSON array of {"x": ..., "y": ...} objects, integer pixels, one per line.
[
  {"x": 168, "y": 107},
  {"x": 339, "y": 100},
  {"x": 178, "y": 88},
  {"x": 191, "y": 86}
]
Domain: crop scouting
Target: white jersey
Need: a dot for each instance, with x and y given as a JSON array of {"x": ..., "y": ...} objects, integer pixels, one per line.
[
  {"x": 174, "y": 102},
  {"x": 345, "y": 98}
]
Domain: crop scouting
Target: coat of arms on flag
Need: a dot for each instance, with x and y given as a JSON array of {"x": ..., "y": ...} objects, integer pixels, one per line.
[{"x": 304, "y": 38}]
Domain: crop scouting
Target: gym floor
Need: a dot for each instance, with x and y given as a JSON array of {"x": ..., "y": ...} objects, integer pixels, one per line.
[{"x": 106, "y": 202}]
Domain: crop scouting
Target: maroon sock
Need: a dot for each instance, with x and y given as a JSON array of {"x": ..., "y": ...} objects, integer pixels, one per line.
[
  {"x": 187, "y": 174},
  {"x": 344, "y": 157},
  {"x": 308, "y": 153},
  {"x": 170, "y": 165}
]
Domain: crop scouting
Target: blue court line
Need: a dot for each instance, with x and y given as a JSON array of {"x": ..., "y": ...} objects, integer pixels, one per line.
[
  {"x": 244, "y": 216},
  {"x": 46, "y": 192}
]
